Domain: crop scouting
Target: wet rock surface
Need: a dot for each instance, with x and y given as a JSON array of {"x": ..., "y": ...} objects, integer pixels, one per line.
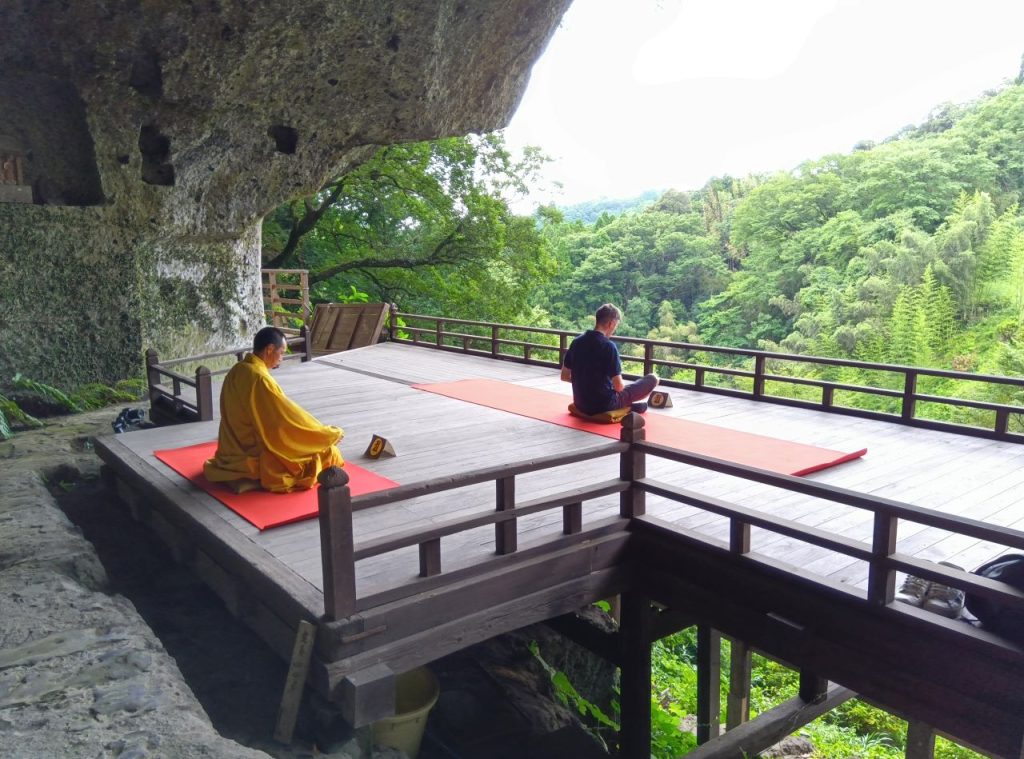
[{"x": 109, "y": 649}]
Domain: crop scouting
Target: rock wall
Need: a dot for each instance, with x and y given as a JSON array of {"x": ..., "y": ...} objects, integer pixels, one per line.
[{"x": 155, "y": 136}]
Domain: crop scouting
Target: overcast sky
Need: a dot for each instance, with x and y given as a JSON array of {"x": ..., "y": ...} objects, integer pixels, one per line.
[{"x": 632, "y": 95}]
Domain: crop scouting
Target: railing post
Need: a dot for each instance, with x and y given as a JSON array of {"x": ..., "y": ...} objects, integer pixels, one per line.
[
  {"x": 438, "y": 332},
  {"x": 494, "y": 340},
  {"x": 505, "y": 500},
  {"x": 335, "y": 506},
  {"x": 392, "y": 321},
  {"x": 739, "y": 536},
  {"x": 909, "y": 396},
  {"x": 759, "y": 362},
  {"x": 698, "y": 378},
  {"x": 632, "y": 467},
  {"x": 307, "y": 344},
  {"x": 152, "y": 376},
  {"x": 430, "y": 557},
  {"x": 562, "y": 348},
  {"x": 827, "y": 396},
  {"x": 307, "y": 311},
  {"x": 882, "y": 579},
  {"x": 648, "y": 358},
  {"x": 572, "y": 518},
  {"x": 1002, "y": 421},
  {"x": 204, "y": 394}
]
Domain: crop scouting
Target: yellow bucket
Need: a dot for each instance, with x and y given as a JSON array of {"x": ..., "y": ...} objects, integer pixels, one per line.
[{"x": 416, "y": 693}]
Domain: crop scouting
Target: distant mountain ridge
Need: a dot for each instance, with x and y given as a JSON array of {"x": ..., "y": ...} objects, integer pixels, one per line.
[{"x": 590, "y": 210}]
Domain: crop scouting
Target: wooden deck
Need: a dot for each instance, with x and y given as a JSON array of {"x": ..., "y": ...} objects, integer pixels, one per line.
[{"x": 369, "y": 391}]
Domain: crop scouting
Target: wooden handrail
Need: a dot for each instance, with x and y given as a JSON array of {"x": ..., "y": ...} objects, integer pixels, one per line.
[
  {"x": 167, "y": 404},
  {"x": 494, "y": 341},
  {"x": 339, "y": 554}
]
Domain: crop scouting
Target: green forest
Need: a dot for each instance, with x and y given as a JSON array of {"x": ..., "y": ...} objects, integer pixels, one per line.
[{"x": 909, "y": 251}]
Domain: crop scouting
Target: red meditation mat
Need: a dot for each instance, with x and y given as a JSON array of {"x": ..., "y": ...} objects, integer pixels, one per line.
[
  {"x": 264, "y": 509},
  {"x": 744, "y": 448}
]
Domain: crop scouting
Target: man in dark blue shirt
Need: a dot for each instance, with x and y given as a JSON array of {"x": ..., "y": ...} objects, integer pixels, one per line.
[{"x": 593, "y": 367}]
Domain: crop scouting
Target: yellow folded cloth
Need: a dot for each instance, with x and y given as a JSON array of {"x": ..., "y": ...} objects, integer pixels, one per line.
[{"x": 605, "y": 417}]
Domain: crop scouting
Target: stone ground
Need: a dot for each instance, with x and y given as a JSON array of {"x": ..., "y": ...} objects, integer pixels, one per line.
[{"x": 110, "y": 649}]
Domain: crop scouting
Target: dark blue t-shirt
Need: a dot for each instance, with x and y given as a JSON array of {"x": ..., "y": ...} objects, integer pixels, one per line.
[{"x": 593, "y": 360}]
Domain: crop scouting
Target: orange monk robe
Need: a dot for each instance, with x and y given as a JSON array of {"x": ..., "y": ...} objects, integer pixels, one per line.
[{"x": 265, "y": 436}]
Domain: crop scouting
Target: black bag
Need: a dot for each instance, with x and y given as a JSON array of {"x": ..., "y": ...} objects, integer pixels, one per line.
[{"x": 1001, "y": 619}]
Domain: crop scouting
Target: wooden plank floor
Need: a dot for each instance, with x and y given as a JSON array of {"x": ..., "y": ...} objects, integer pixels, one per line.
[{"x": 368, "y": 391}]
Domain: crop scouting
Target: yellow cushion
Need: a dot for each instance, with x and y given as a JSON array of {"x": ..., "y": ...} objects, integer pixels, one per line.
[{"x": 605, "y": 417}]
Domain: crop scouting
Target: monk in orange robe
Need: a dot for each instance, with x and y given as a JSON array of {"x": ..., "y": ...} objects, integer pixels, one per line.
[{"x": 265, "y": 439}]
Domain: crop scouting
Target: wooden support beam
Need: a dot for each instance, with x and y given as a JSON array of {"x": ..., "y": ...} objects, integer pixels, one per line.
[
  {"x": 670, "y": 621},
  {"x": 635, "y": 696},
  {"x": 737, "y": 709},
  {"x": 770, "y": 727},
  {"x": 607, "y": 645},
  {"x": 367, "y": 695},
  {"x": 709, "y": 682}
]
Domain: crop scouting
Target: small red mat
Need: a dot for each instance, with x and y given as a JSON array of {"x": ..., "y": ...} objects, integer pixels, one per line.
[
  {"x": 744, "y": 448},
  {"x": 260, "y": 507}
]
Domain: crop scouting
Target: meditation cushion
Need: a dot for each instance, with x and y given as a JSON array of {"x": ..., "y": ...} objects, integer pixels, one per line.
[{"x": 605, "y": 417}]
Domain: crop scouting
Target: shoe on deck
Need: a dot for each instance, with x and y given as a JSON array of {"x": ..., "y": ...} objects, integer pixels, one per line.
[
  {"x": 913, "y": 590},
  {"x": 639, "y": 407},
  {"x": 943, "y": 599}
]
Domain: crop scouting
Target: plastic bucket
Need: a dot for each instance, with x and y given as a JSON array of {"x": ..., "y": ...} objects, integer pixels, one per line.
[{"x": 415, "y": 695}]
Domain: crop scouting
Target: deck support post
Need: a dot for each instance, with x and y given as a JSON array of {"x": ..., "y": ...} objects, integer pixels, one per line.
[
  {"x": 632, "y": 467},
  {"x": 339, "y": 569},
  {"x": 709, "y": 683},
  {"x": 738, "y": 700},
  {"x": 920, "y": 741},
  {"x": 635, "y": 663},
  {"x": 813, "y": 688}
]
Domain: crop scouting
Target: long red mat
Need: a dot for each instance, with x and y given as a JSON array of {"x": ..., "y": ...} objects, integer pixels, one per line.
[
  {"x": 262, "y": 508},
  {"x": 746, "y": 448}
]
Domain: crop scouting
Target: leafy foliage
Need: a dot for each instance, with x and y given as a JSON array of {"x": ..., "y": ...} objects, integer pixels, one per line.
[{"x": 423, "y": 224}]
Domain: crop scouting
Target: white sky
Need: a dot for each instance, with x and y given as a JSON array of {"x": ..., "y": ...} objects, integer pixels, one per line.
[{"x": 634, "y": 95}]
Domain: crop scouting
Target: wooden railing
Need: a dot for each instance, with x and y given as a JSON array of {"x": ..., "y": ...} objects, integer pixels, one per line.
[
  {"x": 526, "y": 344},
  {"x": 336, "y": 506},
  {"x": 339, "y": 554},
  {"x": 176, "y": 397},
  {"x": 288, "y": 289}
]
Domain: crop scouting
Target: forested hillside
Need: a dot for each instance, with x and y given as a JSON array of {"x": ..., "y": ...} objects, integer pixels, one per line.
[{"x": 910, "y": 251}]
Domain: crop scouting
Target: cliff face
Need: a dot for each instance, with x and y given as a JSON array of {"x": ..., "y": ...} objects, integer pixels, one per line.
[{"x": 156, "y": 135}]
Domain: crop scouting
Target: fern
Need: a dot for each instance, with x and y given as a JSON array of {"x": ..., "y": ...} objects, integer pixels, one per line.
[
  {"x": 11, "y": 413},
  {"x": 97, "y": 395},
  {"x": 48, "y": 392}
]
